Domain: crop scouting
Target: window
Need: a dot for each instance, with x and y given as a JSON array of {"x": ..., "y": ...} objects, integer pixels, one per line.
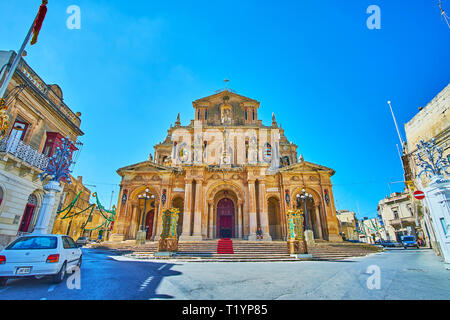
[
  {"x": 395, "y": 212},
  {"x": 198, "y": 115},
  {"x": 246, "y": 115},
  {"x": 66, "y": 243},
  {"x": 444, "y": 225},
  {"x": 19, "y": 129},
  {"x": 253, "y": 115},
  {"x": 206, "y": 115},
  {"x": 34, "y": 243},
  {"x": 1, "y": 196},
  {"x": 54, "y": 140}
]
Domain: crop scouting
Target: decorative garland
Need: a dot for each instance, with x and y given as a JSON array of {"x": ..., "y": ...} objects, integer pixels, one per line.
[{"x": 102, "y": 210}]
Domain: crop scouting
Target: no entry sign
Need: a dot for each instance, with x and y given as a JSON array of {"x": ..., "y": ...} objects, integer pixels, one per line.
[{"x": 419, "y": 195}]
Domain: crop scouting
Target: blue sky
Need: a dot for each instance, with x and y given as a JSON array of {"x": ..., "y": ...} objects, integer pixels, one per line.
[{"x": 133, "y": 66}]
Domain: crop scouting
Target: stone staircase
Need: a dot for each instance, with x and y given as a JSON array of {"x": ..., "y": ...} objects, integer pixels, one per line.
[
  {"x": 248, "y": 251},
  {"x": 333, "y": 251}
]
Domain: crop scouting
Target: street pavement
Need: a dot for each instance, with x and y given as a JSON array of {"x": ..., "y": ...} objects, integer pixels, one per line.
[{"x": 106, "y": 275}]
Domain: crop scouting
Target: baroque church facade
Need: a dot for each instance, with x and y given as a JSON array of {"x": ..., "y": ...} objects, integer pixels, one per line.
[{"x": 229, "y": 175}]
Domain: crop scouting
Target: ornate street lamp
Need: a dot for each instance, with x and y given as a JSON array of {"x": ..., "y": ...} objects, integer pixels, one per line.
[
  {"x": 144, "y": 196},
  {"x": 304, "y": 197}
]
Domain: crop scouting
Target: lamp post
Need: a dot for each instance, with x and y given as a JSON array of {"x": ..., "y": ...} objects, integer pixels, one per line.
[
  {"x": 304, "y": 196},
  {"x": 144, "y": 196}
]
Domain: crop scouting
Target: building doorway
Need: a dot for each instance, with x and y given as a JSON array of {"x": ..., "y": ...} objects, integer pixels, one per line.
[
  {"x": 149, "y": 224},
  {"x": 225, "y": 219},
  {"x": 274, "y": 218},
  {"x": 28, "y": 214}
]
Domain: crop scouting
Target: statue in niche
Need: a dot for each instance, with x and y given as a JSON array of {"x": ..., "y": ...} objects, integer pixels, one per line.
[{"x": 226, "y": 116}]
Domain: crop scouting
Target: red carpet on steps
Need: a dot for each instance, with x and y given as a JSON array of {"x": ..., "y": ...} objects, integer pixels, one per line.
[{"x": 225, "y": 246}]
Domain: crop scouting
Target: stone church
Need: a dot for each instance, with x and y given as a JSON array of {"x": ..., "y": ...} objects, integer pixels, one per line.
[{"x": 229, "y": 175}]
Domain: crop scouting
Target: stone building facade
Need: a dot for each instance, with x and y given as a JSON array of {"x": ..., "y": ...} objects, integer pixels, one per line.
[
  {"x": 398, "y": 216},
  {"x": 431, "y": 122},
  {"x": 74, "y": 226},
  {"x": 39, "y": 119},
  {"x": 228, "y": 174},
  {"x": 348, "y": 224}
]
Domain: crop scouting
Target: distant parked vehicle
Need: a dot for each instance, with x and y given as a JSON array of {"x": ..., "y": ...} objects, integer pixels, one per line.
[
  {"x": 409, "y": 241},
  {"x": 39, "y": 256},
  {"x": 390, "y": 244},
  {"x": 353, "y": 241},
  {"x": 83, "y": 241}
]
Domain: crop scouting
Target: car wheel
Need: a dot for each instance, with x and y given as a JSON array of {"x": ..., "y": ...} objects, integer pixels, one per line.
[
  {"x": 59, "y": 277},
  {"x": 3, "y": 281}
]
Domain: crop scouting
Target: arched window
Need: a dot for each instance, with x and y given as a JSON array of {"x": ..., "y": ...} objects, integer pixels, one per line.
[{"x": 268, "y": 152}]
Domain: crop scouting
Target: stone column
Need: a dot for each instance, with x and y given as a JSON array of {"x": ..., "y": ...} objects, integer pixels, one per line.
[
  {"x": 252, "y": 210},
  {"x": 239, "y": 224},
  {"x": 211, "y": 220},
  {"x": 45, "y": 213},
  {"x": 264, "y": 218},
  {"x": 319, "y": 221},
  {"x": 186, "y": 234},
  {"x": 197, "y": 234},
  {"x": 155, "y": 221}
]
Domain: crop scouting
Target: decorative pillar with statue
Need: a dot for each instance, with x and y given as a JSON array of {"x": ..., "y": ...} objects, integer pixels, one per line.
[
  {"x": 57, "y": 170},
  {"x": 296, "y": 243},
  {"x": 168, "y": 243}
]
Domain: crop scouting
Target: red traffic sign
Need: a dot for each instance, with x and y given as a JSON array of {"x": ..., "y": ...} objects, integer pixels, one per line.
[{"x": 419, "y": 195}]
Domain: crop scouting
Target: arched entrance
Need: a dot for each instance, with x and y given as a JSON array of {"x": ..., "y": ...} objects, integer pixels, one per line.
[
  {"x": 149, "y": 223},
  {"x": 225, "y": 219},
  {"x": 28, "y": 214},
  {"x": 274, "y": 218}
]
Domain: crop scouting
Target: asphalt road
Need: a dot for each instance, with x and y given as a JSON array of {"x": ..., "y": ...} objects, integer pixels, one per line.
[{"x": 402, "y": 274}]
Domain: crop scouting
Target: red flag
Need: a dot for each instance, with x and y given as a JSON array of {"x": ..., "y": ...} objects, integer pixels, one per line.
[{"x": 39, "y": 20}]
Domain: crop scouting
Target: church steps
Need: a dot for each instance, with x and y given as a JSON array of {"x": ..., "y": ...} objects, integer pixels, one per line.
[{"x": 252, "y": 250}]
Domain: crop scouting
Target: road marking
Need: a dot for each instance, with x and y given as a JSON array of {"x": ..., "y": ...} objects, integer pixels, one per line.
[
  {"x": 43, "y": 299},
  {"x": 145, "y": 283},
  {"x": 51, "y": 288}
]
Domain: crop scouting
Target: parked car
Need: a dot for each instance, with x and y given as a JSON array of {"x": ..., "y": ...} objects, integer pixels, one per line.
[
  {"x": 39, "y": 256},
  {"x": 389, "y": 244},
  {"x": 409, "y": 241},
  {"x": 83, "y": 241}
]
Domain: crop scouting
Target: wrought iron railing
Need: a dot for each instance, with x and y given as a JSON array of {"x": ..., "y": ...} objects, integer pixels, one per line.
[{"x": 24, "y": 152}]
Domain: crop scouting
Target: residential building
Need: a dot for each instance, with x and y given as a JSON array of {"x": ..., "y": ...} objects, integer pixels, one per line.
[
  {"x": 431, "y": 122},
  {"x": 348, "y": 224},
  {"x": 398, "y": 216},
  {"x": 39, "y": 119}
]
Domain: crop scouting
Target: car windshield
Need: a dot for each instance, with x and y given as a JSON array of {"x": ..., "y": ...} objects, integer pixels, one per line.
[
  {"x": 408, "y": 239},
  {"x": 34, "y": 243}
]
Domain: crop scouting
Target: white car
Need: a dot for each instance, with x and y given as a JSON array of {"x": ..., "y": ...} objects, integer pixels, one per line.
[{"x": 39, "y": 256}]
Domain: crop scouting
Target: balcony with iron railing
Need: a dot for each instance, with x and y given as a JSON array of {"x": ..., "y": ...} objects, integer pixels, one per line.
[
  {"x": 24, "y": 152},
  {"x": 398, "y": 222}
]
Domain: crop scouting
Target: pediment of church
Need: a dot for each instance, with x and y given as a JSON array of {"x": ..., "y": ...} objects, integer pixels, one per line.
[
  {"x": 146, "y": 166},
  {"x": 305, "y": 166},
  {"x": 219, "y": 98}
]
